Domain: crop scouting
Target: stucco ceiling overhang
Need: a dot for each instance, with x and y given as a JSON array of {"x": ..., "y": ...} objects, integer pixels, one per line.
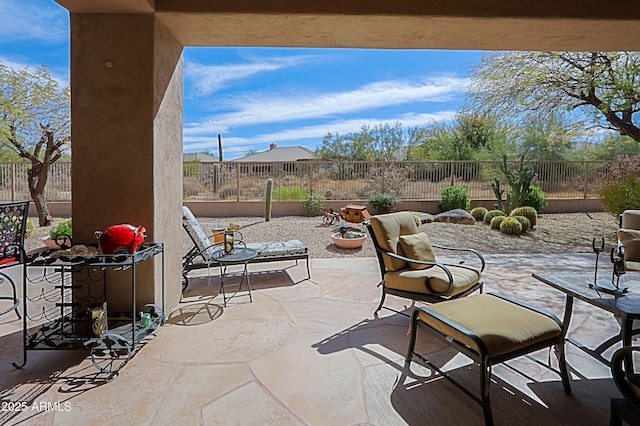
[{"x": 465, "y": 24}]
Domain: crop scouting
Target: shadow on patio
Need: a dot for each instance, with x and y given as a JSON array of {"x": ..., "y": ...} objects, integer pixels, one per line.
[{"x": 311, "y": 352}]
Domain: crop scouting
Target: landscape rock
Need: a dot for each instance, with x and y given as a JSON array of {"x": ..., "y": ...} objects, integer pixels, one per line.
[
  {"x": 458, "y": 216},
  {"x": 424, "y": 217}
]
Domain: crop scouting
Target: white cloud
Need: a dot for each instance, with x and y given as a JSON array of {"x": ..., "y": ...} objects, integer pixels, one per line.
[
  {"x": 317, "y": 132},
  {"x": 259, "y": 110},
  {"x": 350, "y": 126},
  {"x": 208, "y": 79},
  {"x": 39, "y": 20}
]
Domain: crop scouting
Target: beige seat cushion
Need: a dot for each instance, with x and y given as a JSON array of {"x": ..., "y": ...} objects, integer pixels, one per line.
[
  {"x": 387, "y": 229},
  {"x": 418, "y": 247},
  {"x": 415, "y": 280},
  {"x": 632, "y": 266},
  {"x": 630, "y": 219},
  {"x": 630, "y": 239},
  {"x": 504, "y": 327}
]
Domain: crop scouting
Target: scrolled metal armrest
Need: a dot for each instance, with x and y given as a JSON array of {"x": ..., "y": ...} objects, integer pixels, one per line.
[
  {"x": 470, "y": 250},
  {"x": 619, "y": 375},
  {"x": 442, "y": 266}
]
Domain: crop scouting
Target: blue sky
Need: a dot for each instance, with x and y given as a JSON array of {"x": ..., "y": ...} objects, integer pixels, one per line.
[{"x": 257, "y": 96}]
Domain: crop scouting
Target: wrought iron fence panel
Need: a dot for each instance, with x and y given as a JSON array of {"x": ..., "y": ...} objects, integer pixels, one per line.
[{"x": 342, "y": 180}]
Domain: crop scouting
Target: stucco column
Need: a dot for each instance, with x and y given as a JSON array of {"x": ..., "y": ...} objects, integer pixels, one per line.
[{"x": 126, "y": 110}]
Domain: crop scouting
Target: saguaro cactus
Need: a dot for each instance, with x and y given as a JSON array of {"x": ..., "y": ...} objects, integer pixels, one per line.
[{"x": 267, "y": 200}]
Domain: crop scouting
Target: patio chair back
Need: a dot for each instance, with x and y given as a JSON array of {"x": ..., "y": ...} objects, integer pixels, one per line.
[
  {"x": 197, "y": 235},
  {"x": 13, "y": 225}
]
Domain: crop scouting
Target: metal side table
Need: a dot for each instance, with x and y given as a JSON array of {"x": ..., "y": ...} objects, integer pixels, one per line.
[{"x": 239, "y": 256}]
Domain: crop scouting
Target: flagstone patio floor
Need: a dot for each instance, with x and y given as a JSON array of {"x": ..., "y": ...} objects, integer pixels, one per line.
[{"x": 310, "y": 352}]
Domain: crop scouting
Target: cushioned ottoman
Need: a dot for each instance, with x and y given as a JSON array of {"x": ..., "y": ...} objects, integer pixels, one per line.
[{"x": 490, "y": 328}]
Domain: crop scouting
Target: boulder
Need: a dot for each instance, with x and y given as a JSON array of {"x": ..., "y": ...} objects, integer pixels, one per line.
[
  {"x": 424, "y": 217},
  {"x": 455, "y": 216}
]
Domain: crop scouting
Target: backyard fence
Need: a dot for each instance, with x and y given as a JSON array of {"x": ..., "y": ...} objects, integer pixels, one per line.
[
  {"x": 411, "y": 180},
  {"x": 335, "y": 180}
]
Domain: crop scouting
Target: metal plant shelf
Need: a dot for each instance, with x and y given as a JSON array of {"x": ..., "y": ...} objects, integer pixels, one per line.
[{"x": 59, "y": 289}]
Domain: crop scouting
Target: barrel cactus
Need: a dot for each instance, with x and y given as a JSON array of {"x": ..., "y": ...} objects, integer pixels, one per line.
[
  {"x": 528, "y": 212},
  {"x": 511, "y": 226},
  {"x": 478, "y": 213},
  {"x": 491, "y": 214},
  {"x": 526, "y": 224},
  {"x": 496, "y": 221}
]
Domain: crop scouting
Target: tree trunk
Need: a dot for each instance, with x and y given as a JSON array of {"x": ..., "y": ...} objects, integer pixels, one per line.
[{"x": 37, "y": 178}]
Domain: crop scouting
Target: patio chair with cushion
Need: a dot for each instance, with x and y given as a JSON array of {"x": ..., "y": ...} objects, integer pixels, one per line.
[
  {"x": 629, "y": 239},
  {"x": 13, "y": 224},
  {"x": 204, "y": 251},
  {"x": 409, "y": 267}
]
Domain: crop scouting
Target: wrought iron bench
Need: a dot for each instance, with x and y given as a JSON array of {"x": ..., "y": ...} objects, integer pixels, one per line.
[{"x": 203, "y": 253}]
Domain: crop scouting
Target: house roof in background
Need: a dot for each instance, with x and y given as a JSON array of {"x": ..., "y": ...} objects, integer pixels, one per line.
[
  {"x": 202, "y": 157},
  {"x": 285, "y": 153}
]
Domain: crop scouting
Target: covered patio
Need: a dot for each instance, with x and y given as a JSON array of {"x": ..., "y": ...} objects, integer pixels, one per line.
[
  {"x": 304, "y": 352},
  {"x": 310, "y": 352}
]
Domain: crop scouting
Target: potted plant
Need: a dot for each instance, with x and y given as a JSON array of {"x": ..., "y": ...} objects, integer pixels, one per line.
[{"x": 59, "y": 235}]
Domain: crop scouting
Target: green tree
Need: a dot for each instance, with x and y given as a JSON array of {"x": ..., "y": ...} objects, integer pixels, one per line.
[
  {"x": 616, "y": 146},
  {"x": 345, "y": 148},
  {"x": 387, "y": 141},
  {"x": 379, "y": 143},
  {"x": 35, "y": 120},
  {"x": 467, "y": 137},
  {"x": 596, "y": 88},
  {"x": 549, "y": 139}
]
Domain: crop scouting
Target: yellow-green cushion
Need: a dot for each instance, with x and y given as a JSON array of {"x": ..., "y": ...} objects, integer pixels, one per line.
[
  {"x": 418, "y": 247},
  {"x": 433, "y": 280},
  {"x": 630, "y": 239},
  {"x": 503, "y": 327},
  {"x": 387, "y": 229}
]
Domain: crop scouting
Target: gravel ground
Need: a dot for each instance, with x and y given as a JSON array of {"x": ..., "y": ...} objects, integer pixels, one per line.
[{"x": 555, "y": 233}]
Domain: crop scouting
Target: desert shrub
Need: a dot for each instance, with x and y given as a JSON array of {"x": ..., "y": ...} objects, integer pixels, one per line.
[
  {"x": 417, "y": 219},
  {"x": 63, "y": 228},
  {"x": 192, "y": 187},
  {"x": 314, "y": 204},
  {"x": 620, "y": 187},
  {"x": 620, "y": 195},
  {"x": 455, "y": 197},
  {"x": 384, "y": 202},
  {"x": 295, "y": 192},
  {"x": 395, "y": 178},
  {"x": 30, "y": 227},
  {"x": 536, "y": 199}
]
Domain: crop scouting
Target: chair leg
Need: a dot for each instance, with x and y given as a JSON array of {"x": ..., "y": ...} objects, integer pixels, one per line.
[
  {"x": 614, "y": 419},
  {"x": 384, "y": 294},
  {"x": 485, "y": 381},
  {"x": 413, "y": 334},
  {"x": 562, "y": 361}
]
